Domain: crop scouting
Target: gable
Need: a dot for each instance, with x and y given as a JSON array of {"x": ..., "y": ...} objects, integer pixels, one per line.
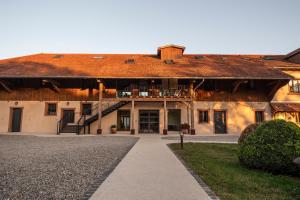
[{"x": 293, "y": 57}]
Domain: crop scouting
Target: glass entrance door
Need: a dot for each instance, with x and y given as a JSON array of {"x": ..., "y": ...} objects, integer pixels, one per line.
[{"x": 149, "y": 121}]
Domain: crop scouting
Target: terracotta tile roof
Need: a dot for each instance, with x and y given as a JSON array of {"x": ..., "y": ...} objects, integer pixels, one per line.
[
  {"x": 114, "y": 66},
  {"x": 286, "y": 107}
]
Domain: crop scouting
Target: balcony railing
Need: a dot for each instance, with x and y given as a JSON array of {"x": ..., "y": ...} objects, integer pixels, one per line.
[{"x": 153, "y": 91}]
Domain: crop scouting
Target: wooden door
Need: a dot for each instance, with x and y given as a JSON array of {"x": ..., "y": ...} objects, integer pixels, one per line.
[
  {"x": 16, "y": 119},
  {"x": 68, "y": 116},
  {"x": 220, "y": 122}
]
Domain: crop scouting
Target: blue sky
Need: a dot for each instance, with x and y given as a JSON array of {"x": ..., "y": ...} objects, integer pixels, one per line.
[{"x": 138, "y": 26}]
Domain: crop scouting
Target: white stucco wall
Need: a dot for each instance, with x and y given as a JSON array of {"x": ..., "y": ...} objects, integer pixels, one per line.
[{"x": 239, "y": 115}]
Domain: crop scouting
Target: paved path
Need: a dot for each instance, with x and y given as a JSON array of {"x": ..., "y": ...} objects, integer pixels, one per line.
[{"x": 150, "y": 171}]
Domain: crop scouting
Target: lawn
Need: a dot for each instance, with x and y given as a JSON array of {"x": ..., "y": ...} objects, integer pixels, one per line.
[{"x": 218, "y": 166}]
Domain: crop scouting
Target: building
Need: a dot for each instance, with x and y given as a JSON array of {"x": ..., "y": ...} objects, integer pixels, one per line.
[
  {"x": 88, "y": 93},
  {"x": 286, "y": 102}
]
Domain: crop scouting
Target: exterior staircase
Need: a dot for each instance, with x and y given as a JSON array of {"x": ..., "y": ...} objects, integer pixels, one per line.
[
  {"x": 70, "y": 128},
  {"x": 105, "y": 112},
  {"x": 63, "y": 127}
]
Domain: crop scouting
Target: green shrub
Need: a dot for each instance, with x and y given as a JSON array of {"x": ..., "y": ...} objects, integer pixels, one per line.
[
  {"x": 247, "y": 131},
  {"x": 272, "y": 147}
]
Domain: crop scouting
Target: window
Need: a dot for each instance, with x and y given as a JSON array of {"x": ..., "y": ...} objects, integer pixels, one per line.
[
  {"x": 51, "y": 109},
  {"x": 203, "y": 116},
  {"x": 294, "y": 86},
  {"x": 86, "y": 109},
  {"x": 123, "y": 120},
  {"x": 259, "y": 116}
]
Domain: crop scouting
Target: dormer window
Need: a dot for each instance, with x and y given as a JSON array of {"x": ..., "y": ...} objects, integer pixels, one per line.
[
  {"x": 58, "y": 56},
  {"x": 169, "y": 62},
  {"x": 199, "y": 57},
  {"x": 130, "y": 61},
  {"x": 98, "y": 57}
]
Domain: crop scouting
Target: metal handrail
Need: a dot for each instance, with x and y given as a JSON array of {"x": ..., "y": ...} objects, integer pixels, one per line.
[
  {"x": 78, "y": 124},
  {"x": 61, "y": 124}
]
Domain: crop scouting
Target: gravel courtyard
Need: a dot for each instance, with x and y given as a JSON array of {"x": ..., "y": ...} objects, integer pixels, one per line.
[{"x": 57, "y": 167}]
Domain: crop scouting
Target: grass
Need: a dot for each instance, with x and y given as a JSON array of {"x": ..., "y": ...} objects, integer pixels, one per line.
[{"x": 218, "y": 166}]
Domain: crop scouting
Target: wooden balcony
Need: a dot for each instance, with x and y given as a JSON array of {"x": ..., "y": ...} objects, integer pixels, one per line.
[{"x": 153, "y": 93}]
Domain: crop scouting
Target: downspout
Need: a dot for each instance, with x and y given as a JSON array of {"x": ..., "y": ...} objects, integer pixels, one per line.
[{"x": 198, "y": 86}]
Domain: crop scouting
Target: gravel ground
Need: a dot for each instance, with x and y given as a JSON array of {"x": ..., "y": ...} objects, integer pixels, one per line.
[
  {"x": 213, "y": 138},
  {"x": 57, "y": 167}
]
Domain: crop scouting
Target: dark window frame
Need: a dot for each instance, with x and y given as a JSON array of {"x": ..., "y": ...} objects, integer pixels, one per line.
[
  {"x": 82, "y": 108},
  {"x": 123, "y": 115},
  {"x": 262, "y": 112},
  {"x": 47, "y": 107},
  {"x": 202, "y": 119}
]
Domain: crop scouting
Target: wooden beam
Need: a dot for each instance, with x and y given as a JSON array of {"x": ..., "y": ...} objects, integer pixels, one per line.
[
  {"x": 132, "y": 130},
  {"x": 192, "y": 118},
  {"x": 165, "y": 131},
  {"x": 271, "y": 83},
  {"x": 237, "y": 84},
  {"x": 54, "y": 84},
  {"x": 274, "y": 89},
  {"x": 5, "y": 86},
  {"x": 99, "y": 130}
]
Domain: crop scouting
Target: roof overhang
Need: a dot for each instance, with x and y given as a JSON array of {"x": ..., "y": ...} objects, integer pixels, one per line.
[
  {"x": 286, "y": 107},
  {"x": 288, "y": 77}
]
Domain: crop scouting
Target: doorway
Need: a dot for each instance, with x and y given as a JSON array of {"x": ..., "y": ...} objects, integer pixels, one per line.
[
  {"x": 149, "y": 121},
  {"x": 16, "y": 118},
  {"x": 174, "y": 119},
  {"x": 220, "y": 122},
  {"x": 68, "y": 116}
]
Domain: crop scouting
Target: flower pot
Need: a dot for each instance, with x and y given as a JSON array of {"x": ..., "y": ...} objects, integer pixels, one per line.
[
  {"x": 185, "y": 131},
  {"x": 113, "y": 130}
]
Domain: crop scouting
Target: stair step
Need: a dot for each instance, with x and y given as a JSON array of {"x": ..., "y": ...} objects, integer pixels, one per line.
[{"x": 70, "y": 128}]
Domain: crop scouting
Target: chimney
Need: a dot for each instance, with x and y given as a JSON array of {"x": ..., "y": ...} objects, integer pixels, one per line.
[{"x": 170, "y": 52}]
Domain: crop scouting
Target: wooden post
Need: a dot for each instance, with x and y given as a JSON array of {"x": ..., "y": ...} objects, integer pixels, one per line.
[
  {"x": 165, "y": 131},
  {"x": 99, "y": 130},
  {"x": 83, "y": 123},
  {"x": 192, "y": 108},
  {"x": 132, "y": 130},
  {"x": 188, "y": 114}
]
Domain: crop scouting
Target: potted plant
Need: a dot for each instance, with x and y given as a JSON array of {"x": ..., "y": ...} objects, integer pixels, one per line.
[
  {"x": 184, "y": 128},
  {"x": 113, "y": 129}
]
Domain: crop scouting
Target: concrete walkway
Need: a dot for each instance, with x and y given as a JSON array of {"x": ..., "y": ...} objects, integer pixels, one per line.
[{"x": 150, "y": 171}]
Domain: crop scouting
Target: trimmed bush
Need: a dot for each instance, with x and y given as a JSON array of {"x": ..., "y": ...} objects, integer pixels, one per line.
[
  {"x": 272, "y": 147},
  {"x": 247, "y": 131}
]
